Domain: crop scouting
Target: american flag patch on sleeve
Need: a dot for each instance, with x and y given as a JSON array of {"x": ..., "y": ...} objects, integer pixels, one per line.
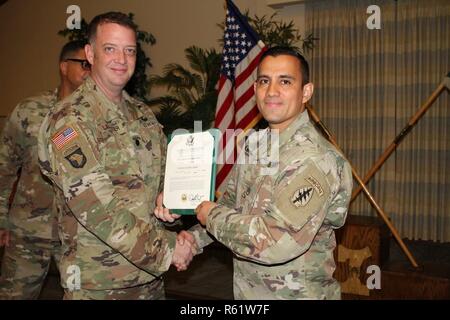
[{"x": 63, "y": 137}]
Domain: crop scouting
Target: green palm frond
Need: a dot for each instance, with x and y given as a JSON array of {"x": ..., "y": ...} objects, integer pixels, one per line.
[
  {"x": 183, "y": 78},
  {"x": 164, "y": 101},
  {"x": 197, "y": 59},
  {"x": 169, "y": 113},
  {"x": 194, "y": 88},
  {"x": 186, "y": 97},
  {"x": 204, "y": 110},
  {"x": 213, "y": 60}
]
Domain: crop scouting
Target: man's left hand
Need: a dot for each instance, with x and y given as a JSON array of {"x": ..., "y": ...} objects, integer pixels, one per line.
[{"x": 163, "y": 213}]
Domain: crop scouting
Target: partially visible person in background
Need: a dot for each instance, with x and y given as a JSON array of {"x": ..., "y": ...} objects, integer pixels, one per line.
[{"x": 28, "y": 226}]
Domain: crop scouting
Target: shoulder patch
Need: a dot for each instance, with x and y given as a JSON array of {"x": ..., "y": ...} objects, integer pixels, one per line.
[
  {"x": 75, "y": 156},
  {"x": 303, "y": 196},
  {"x": 63, "y": 137}
]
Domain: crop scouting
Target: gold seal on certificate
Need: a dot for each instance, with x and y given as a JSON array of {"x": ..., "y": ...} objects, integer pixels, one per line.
[{"x": 190, "y": 171}]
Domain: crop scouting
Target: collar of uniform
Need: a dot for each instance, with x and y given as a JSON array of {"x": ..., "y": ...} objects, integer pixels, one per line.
[
  {"x": 301, "y": 120},
  {"x": 55, "y": 96},
  {"x": 134, "y": 112},
  {"x": 110, "y": 110}
]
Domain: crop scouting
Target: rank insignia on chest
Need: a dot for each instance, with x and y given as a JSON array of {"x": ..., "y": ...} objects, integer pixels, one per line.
[
  {"x": 245, "y": 193},
  {"x": 302, "y": 196},
  {"x": 76, "y": 157}
]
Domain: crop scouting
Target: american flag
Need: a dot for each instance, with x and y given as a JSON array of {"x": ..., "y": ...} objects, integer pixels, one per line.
[
  {"x": 61, "y": 138},
  {"x": 236, "y": 104}
]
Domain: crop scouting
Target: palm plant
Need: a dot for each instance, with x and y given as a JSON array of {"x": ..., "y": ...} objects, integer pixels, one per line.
[
  {"x": 192, "y": 94},
  {"x": 170, "y": 114},
  {"x": 276, "y": 32},
  {"x": 273, "y": 32}
]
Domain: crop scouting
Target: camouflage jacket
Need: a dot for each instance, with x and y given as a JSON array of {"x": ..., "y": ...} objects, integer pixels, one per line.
[
  {"x": 107, "y": 163},
  {"x": 280, "y": 225},
  {"x": 31, "y": 212}
]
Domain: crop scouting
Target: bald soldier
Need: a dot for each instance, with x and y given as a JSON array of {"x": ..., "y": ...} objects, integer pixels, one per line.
[
  {"x": 279, "y": 217},
  {"x": 28, "y": 227},
  {"x": 104, "y": 152}
]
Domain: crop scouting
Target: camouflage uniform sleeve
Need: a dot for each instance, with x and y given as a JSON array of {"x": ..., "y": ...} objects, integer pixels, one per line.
[
  {"x": 163, "y": 146},
  {"x": 228, "y": 198},
  {"x": 200, "y": 233},
  {"x": 201, "y": 236},
  {"x": 339, "y": 206},
  {"x": 102, "y": 205},
  {"x": 286, "y": 218},
  {"x": 11, "y": 148}
]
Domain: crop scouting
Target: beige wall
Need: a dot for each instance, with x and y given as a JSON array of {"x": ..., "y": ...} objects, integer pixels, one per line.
[
  {"x": 2, "y": 122},
  {"x": 30, "y": 44}
]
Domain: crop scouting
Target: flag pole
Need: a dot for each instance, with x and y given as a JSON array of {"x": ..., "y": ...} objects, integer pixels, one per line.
[
  {"x": 405, "y": 131},
  {"x": 372, "y": 201}
]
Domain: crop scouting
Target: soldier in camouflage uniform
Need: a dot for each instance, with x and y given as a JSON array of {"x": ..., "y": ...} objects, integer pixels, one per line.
[
  {"x": 105, "y": 153},
  {"x": 280, "y": 226},
  {"x": 28, "y": 227}
]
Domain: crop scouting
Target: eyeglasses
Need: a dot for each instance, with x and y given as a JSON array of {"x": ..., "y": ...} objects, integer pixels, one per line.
[{"x": 84, "y": 63}]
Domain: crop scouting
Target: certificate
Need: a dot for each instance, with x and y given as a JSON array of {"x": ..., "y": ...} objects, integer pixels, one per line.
[{"x": 190, "y": 170}]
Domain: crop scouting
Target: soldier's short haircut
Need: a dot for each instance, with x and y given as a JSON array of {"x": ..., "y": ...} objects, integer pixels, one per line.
[
  {"x": 288, "y": 51},
  {"x": 109, "y": 17},
  {"x": 70, "y": 48}
]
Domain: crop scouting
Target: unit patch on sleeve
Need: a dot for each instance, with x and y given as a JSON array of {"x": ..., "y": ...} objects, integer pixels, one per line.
[
  {"x": 303, "y": 196},
  {"x": 75, "y": 156}
]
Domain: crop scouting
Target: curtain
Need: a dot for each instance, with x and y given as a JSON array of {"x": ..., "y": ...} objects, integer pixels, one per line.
[{"x": 368, "y": 84}]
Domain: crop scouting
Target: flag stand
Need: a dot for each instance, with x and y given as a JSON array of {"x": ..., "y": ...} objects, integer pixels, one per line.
[
  {"x": 405, "y": 131},
  {"x": 372, "y": 201}
]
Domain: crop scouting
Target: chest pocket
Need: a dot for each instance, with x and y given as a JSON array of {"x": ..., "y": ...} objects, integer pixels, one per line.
[
  {"x": 145, "y": 136},
  {"x": 252, "y": 189},
  {"x": 117, "y": 150}
]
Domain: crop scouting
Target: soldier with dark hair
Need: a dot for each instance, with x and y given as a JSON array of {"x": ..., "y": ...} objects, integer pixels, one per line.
[
  {"x": 28, "y": 225},
  {"x": 278, "y": 217},
  {"x": 105, "y": 153}
]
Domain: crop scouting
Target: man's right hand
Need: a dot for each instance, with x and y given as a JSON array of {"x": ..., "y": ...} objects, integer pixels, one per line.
[
  {"x": 184, "y": 252},
  {"x": 163, "y": 213},
  {"x": 4, "y": 237}
]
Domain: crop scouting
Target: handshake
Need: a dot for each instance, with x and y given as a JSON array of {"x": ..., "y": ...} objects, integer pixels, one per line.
[
  {"x": 185, "y": 249},
  {"x": 186, "y": 246}
]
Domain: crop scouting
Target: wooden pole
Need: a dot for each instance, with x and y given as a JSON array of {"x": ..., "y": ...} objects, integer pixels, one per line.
[
  {"x": 372, "y": 201},
  {"x": 399, "y": 138}
]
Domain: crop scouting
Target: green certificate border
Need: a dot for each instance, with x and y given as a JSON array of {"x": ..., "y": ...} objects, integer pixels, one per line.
[{"x": 215, "y": 133}]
